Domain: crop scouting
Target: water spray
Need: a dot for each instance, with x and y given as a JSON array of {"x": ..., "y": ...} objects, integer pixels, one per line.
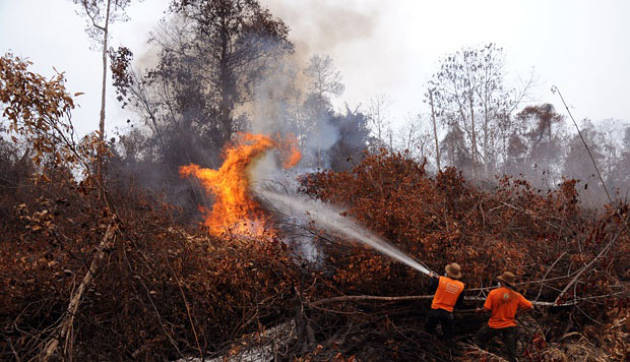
[{"x": 329, "y": 218}]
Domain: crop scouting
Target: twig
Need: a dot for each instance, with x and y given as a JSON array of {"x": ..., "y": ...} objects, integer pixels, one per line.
[
  {"x": 159, "y": 317},
  {"x": 555, "y": 89},
  {"x": 17, "y": 358},
  {"x": 334, "y": 311},
  {"x": 541, "y": 281},
  {"x": 481, "y": 353},
  {"x": 68, "y": 320},
  {"x": 547, "y": 273},
  {"x": 586, "y": 267},
  {"x": 540, "y": 304},
  {"x": 602, "y": 296},
  {"x": 192, "y": 325},
  {"x": 347, "y": 298}
]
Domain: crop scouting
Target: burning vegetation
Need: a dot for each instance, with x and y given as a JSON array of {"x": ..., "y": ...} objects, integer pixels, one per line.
[
  {"x": 104, "y": 256},
  {"x": 234, "y": 209}
]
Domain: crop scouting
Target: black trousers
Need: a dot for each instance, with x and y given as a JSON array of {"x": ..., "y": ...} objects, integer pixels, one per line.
[
  {"x": 508, "y": 334},
  {"x": 444, "y": 317}
]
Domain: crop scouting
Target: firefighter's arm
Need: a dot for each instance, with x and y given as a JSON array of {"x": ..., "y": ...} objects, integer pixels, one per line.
[
  {"x": 527, "y": 307},
  {"x": 525, "y": 304},
  {"x": 434, "y": 282},
  {"x": 460, "y": 301},
  {"x": 487, "y": 306}
]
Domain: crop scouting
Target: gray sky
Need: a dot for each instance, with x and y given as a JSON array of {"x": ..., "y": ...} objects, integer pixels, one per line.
[{"x": 389, "y": 47}]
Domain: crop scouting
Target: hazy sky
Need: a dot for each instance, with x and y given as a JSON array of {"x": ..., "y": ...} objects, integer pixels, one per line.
[{"x": 389, "y": 47}]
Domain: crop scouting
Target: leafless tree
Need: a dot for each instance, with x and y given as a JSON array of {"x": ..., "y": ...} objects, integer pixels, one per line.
[
  {"x": 324, "y": 83},
  {"x": 100, "y": 14},
  {"x": 469, "y": 92},
  {"x": 379, "y": 121}
]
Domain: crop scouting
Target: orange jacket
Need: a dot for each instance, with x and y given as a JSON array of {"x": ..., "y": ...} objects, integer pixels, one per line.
[
  {"x": 447, "y": 294},
  {"x": 504, "y": 303}
]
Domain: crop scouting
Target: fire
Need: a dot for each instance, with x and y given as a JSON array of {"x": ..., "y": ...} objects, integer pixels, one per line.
[{"x": 235, "y": 210}]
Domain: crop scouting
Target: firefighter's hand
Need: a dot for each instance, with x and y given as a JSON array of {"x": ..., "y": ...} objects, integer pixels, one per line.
[{"x": 479, "y": 310}]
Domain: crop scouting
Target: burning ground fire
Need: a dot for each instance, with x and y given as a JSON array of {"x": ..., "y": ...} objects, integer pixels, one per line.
[{"x": 234, "y": 209}]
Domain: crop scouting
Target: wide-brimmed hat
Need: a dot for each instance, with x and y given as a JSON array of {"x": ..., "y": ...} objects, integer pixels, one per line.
[
  {"x": 508, "y": 278},
  {"x": 453, "y": 271}
]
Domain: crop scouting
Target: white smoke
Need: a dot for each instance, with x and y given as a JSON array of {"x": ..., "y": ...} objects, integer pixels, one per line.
[{"x": 329, "y": 218}]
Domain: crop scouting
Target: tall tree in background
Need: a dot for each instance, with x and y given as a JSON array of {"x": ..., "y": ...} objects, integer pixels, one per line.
[
  {"x": 578, "y": 165},
  {"x": 468, "y": 92},
  {"x": 100, "y": 14},
  {"x": 212, "y": 54},
  {"x": 352, "y": 142},
  {"x": 454, "y": 149},
  {"x": 324, "y": 82},
  {"x": 429, "y": 95},
  {"x": 379, "y": 121},
  {"x": 534, "y": 145},
  {"x": 232, "y": 39},
  {"x": 619, "y": 177}
]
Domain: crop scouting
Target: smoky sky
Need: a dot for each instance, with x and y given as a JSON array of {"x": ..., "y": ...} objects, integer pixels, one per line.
[{"x": 380, "y": 47}]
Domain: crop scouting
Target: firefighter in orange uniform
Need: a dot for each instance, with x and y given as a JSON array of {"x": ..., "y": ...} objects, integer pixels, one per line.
[
  {"x": 503, "y": 302},
  {"x": 448, "y": 295}
]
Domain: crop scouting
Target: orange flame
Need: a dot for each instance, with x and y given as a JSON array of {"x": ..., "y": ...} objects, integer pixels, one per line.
[{"x": 234, "y": 209}]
